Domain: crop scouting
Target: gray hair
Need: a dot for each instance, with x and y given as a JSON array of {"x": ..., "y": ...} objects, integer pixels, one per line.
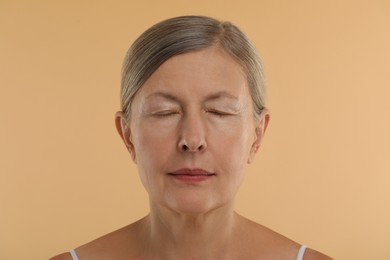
[{"x": 185, "y": 34}]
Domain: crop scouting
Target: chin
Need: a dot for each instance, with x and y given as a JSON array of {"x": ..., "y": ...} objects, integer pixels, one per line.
[{"x": 193, "y": 204}]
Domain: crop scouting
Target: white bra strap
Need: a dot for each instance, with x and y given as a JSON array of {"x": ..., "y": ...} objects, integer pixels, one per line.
[
  {"x": 73, "y": 254},
  {"x": 301, "y": 252}
]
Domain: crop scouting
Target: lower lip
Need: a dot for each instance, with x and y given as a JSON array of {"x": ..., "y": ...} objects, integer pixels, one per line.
[{"x": 191, "y": 178}]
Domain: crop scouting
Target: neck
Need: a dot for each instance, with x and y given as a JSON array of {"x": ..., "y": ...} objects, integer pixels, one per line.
[{"x": 174, "y": 235}]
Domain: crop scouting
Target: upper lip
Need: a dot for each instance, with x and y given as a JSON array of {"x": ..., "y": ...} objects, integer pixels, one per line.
[{"x": 193, "y": 172}]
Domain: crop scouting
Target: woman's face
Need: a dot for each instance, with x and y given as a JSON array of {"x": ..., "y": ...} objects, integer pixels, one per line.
[{"x": 192, "y": 131}]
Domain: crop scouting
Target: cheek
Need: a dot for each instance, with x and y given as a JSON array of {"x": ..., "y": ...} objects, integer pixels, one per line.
[
  {"x": 230, "y": 151},
  {"x": 234, "y": 137},
  {"x": 152, "y": 157},
  {"x": 232, "y": 144},
  {"x": 152, "y": 143}
]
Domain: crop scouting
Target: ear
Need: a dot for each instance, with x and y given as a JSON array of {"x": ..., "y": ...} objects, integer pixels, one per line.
[
  {"x": 261, "y": 126},
  {"x": 125, "y": 133}
]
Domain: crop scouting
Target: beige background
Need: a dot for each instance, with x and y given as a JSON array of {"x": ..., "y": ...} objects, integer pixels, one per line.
[{"x": 322, "y": 177}]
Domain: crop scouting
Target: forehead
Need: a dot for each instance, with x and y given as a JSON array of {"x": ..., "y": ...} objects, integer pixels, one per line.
[{"x": 199, "y": 73}]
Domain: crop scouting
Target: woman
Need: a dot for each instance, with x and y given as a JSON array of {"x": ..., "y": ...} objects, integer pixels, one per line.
[{"x": 193, "y": 116}]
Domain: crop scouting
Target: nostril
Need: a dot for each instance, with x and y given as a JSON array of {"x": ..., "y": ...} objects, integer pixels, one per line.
[
  {"x": 194, "y": 146},
  {"x": 184, "y": 147}
]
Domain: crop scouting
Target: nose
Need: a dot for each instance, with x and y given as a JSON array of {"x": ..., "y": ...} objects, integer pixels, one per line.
[{"x": 192, "y": 136}]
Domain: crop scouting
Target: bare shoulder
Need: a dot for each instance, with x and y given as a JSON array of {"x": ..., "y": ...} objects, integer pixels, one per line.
[
  {"x": 272, "y": 245},
  {"x": 312, "y": 254},
  {"x": 116, "y": 245},
  {"x": 63, "y": 256}
]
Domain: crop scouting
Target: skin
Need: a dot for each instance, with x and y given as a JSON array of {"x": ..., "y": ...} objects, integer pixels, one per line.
[{"x": 194, "y": 112}]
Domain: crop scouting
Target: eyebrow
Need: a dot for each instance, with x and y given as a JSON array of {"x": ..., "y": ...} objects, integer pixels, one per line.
[
  {"x": 211, "y": 97},
  {"x": 164, "y": 95},
  {"x": 220, "y": 94}
]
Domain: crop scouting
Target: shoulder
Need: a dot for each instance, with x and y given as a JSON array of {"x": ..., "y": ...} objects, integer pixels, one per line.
[
  {"x": 116, "y": 244},
  {"x": 264, "y": 243},
  {"x": 272, "y": 245},
  {"x": 311, "y": 254},
  {"x": 63, "y": 256}
]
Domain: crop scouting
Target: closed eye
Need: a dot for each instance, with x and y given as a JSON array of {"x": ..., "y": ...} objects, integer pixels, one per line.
[
  {"x": 166, "y": 113},
  {"x": 218, "y": 113}
]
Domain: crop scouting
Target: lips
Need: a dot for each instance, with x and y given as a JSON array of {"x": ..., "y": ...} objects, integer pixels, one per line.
[{"x": 191, "y": 175}]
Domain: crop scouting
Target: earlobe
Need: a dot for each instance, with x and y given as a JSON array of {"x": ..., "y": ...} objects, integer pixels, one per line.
[
  {"x": 125, "y": 133},
  {"x": 261, "y": 127}
]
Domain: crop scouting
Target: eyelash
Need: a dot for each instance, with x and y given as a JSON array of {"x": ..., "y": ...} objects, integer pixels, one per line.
[
  {"x": 166, "y": 113},
  {"x": 218, "y": 113},
  {"x": 171, "y": 113}
]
